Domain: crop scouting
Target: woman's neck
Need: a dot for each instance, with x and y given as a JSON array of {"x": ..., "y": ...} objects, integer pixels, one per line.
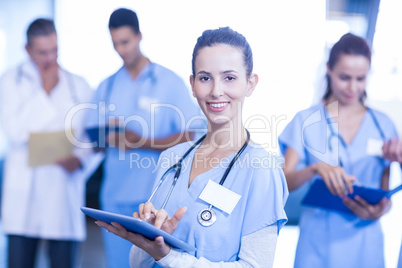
[
  {"x": 335, "y": 107},
  {"x": 349, "y": 118},
  {"x": 216, "y": 146},
  {"x": 226, "y": 139}
]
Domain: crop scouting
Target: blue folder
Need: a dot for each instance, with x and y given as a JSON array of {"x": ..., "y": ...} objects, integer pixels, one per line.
[
  {"x": 98, "y": 134},
  {"x": 138, "y": 226},
  {"x": 319, "y": 196}
]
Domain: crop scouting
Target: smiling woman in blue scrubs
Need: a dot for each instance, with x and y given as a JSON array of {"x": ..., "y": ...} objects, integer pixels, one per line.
[
  {"x": 340, "y": 141},
  {"x": 226, "y": 176}
]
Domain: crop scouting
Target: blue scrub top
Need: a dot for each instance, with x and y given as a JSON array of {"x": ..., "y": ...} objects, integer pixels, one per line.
[
  {"x": 156, "y": 104},
  {"x": 256, "y": 176},
  {"x": 329, "y": 238}
]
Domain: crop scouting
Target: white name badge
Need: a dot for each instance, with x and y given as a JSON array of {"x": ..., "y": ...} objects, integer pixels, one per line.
[
  {"x": 219, "y": 196},
  {"x": 144, "y": 103},
  {"x": 374, "y": 147}
]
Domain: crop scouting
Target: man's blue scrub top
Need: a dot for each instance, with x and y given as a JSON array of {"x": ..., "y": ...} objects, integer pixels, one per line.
[{"x": 156, "y": 104}]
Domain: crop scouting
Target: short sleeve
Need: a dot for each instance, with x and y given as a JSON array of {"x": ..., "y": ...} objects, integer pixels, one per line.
[
  {"x": 95, "y": 111},
  {"x": 386, "y": 125},
  {"x": 266, "y": 200},
  {"x": 292, "y": 137}
]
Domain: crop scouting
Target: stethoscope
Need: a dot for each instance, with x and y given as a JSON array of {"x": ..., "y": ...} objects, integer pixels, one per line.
[
  {"x": 334, "y": 135},
  {"x": 21, "y": 74},
  {"x": 206, "y": 217}
]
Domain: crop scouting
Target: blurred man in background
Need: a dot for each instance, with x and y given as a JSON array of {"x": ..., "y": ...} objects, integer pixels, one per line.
[{"x": 41, "y": 201}]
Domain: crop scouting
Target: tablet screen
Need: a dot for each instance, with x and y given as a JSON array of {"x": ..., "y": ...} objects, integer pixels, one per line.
[{"x": 138, "y": 226}]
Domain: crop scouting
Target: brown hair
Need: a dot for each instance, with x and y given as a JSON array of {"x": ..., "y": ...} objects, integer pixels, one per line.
[{"x": 349, "y": 44}]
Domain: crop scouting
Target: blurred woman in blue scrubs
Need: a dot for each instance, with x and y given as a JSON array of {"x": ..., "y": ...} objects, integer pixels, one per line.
[
  {"x": 244, "y": 236},
  {"x": 340, "y": 142}
]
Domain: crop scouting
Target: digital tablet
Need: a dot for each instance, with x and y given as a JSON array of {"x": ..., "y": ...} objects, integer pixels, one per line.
[
  {"x": 319, "y": 196},
  {"x": 138, "y": 226},
  {"x": 98, "y": 134}
]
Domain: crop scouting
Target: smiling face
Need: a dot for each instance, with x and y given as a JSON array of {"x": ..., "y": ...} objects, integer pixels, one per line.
[
  {"x": 220, "y": 84},
  {"x": 348, "y": 78}
]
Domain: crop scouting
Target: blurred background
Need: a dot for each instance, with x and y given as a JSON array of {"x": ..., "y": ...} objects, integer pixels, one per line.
[{"x": 290, "y": 41}]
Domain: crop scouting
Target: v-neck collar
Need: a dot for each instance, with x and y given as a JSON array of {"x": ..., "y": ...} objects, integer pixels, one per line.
[
  {"x": 199, "y": 181},
  {"x": 143, "y": 74},
  {"x": 329, "y": 119}
]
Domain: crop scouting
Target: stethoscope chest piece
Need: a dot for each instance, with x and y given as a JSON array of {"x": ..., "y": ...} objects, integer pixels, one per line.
[{"x": 206, "y": 217}]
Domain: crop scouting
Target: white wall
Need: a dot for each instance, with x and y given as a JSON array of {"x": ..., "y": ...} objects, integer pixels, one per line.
[
  {"x": 385, "y": 93},
  {"x": 15, "y": 16},
  {"x": 385, "y": 87}
]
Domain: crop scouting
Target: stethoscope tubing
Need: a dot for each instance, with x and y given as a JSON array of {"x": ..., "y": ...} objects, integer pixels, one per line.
[
  {"x": 177, "y": 174},
  {"x": 339, "y": 137},
  {"x": 71, "y": 88},
  {"x": 179, "y": 164}
]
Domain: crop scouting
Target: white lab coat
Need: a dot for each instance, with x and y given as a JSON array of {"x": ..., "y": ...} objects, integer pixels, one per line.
[{"x": 42, "y": 202}]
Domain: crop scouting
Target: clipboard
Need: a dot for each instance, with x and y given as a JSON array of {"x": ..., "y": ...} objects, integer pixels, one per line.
[
  {"x": 99, "y": 133},
  {"x": 319, "y": 196},
  {"x": 46, "y": 148},
  {"x": 138, "y": 226}
]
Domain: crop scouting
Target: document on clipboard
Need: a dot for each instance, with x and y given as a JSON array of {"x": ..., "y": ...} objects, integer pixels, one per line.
[
  {"x": 138, "y": 226},
  {"x": 319, "y": 196},
  {"x": 46, "y": 148}
]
